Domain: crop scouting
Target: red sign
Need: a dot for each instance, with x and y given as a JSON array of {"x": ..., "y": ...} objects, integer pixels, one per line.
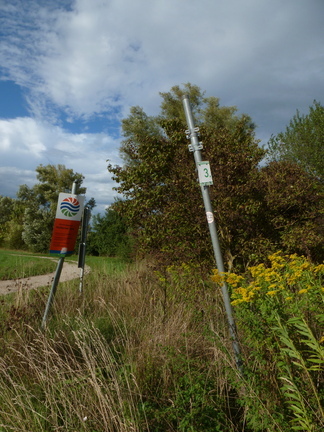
[
  {"x": 66, "y": 225},
  {"x": 64, "y": 236}
]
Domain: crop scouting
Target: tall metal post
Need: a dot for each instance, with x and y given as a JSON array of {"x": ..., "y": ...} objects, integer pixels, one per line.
[
  {"x": 83, "y": 244},
  {"x": 195, "y": 147},
  {"x": 53, "y": 291}
]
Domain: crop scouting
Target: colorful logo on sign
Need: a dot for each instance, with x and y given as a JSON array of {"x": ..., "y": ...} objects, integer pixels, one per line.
[{"x": 70, "y": 206}]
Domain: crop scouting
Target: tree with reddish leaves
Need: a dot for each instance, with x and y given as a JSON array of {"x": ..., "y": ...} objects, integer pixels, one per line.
[
  {"x": 293, "y": 209},
  {"x": 162, "y": 200}
]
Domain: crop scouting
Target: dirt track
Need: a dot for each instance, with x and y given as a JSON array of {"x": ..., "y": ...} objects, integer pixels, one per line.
[{"x": 69, "y": 271}]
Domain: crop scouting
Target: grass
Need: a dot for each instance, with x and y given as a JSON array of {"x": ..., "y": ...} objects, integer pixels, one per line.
[
  {"x": 112, "y": 356},
  {"x": 149, "y": 351},
  {"x": 104, "y": 265},
  {"x": 15, "y": 265}
]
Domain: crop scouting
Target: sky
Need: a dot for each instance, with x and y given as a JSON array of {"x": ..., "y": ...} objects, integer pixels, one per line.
[{"x": 71, "y": 69}]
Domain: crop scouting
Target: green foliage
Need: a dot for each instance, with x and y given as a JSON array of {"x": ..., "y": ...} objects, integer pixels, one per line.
[
  {"x": 6, "y": 208},
  {"x": 38, "y": 225},
  {"x": 53, "y": 180},
  {"x": 39, "y": 203},
  {"x": 302, "y": 142},
  {"x": 257, "y": 210},
  {"x": 279, "y": 310},
  {"x": 191, "y": 403},
  {"x": 308, "y": 413},
  {"x": 162, "y": 200},
  {"x": 206, "y": 110},
  {"x": 292, "y": 209},
  {"x": 11, "y": 223},
  {"x": 149, "y": 351},
  {"x": 108, "y": 235}
]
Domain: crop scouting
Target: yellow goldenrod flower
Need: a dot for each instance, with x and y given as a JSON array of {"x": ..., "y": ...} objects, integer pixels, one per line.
[
  {"x": 304, "y": 266},
  {"x": 294, "y": 256},
  {"x": 217, "y": 277},
  {"x": 285, "y": 272},
  {"x": 302, "y": 291},
  {"x": 319, "y": 268},
  {"x": 240, "y": 290},
  {"x": 277, "y": 266},
  {"x": 236, "y": 302},
  {"x": 276, "y": 257},
  {"x": 292, "y": 278},
  {"x": 257, "y": 270}
]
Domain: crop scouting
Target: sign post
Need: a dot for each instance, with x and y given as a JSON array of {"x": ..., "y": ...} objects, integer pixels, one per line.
[
  {"x": 65, "y": 231},
  {"x": 205, "y": 179},
  {"x": 83, "y": 244}
]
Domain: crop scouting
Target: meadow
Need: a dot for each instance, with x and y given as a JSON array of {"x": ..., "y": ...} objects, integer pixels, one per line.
[
  {"x": 147, "y": 349},
  {"x": 18, "y": 264}
]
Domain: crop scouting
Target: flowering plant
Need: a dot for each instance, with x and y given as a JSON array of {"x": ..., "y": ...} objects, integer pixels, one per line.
[
  {"x": 289, "y": 280},
  {"x": 279, "y": 311}
]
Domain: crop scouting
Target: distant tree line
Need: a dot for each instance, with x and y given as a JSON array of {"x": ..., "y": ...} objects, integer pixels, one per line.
[{"x": 27, "y": 221}]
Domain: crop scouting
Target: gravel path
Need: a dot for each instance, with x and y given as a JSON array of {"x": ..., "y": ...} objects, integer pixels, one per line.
[{"x": 70, "y": 271}]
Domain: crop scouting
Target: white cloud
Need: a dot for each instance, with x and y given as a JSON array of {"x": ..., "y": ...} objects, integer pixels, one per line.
[
  {"x": 104, "y": 54},
  {"x": 22, "y": 137},
  {"x": 87, "y": 58},
  {"x": 26, "y": 143}
]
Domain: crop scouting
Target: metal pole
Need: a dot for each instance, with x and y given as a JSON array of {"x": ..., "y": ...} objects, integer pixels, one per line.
[
  {"x": 53, "y": 291},
  {"x": 74, "y": 185},
  {"x": 83, "y": 244},
  {"x": 195, "y": 147}
]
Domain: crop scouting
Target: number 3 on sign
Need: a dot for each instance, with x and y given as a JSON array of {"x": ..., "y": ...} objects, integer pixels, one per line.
[{"x": 204, "y": 173}]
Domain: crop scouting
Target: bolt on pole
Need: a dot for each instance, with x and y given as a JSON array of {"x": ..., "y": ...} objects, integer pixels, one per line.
[{"x": 195, "y": 147}]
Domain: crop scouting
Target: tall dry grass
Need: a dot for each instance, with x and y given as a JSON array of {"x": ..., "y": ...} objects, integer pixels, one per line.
[
  {"x": 68, "y": 384},
  {"x": 142, "y": 350},
  {"x": 110, "y": 360}
]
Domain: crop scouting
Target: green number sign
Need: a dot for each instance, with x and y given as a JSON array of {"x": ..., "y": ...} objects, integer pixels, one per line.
[{"x": 204, "y": 173}]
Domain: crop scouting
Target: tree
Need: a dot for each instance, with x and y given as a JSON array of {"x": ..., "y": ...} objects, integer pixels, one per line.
[
  {"x": 302, "y": 142},
  {"x": 6, "y": 210},
  {"x": 53, "y": 179},
  {"x": 40, "y": 202},
  {"x": 293, "y": 212},
  {"x": 158, "y": 180},
  {"x": 108, "y": 236},
  {"x": 258, "y": 210},
  {"x": 11, "y": 223}
]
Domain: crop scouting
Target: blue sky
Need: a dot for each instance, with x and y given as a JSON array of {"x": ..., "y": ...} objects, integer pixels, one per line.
[{"x": 71, "y": 70}]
